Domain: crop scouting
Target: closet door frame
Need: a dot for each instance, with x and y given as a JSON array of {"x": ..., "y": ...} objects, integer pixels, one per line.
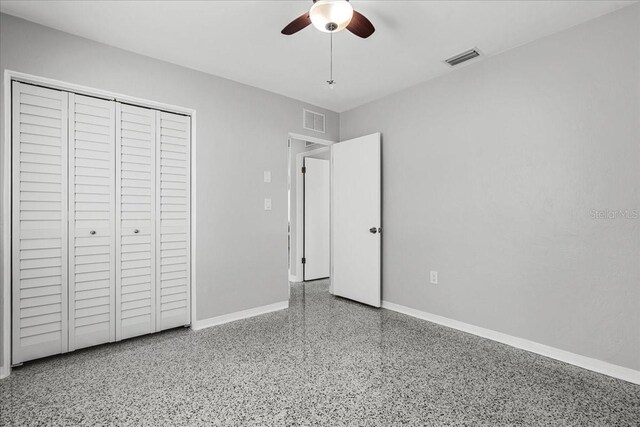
[{"x": 7, "y": 182}]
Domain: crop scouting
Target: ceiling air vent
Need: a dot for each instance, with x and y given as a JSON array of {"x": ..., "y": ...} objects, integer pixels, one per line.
[
  {"x": 463, "y": 57},
  {"x": 312, "y": 120}
]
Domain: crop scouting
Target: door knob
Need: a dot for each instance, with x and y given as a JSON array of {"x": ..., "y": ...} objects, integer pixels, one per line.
[
  {"x": 373, "y": 230},
  {"x": 92, "y": 232},
  {"x": 136, "y": 231}
]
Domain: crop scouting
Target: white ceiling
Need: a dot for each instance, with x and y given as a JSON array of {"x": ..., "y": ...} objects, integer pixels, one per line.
[{"x": 241, "y": 40}]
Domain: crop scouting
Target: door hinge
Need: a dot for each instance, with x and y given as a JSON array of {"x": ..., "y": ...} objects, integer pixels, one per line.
[
  {"x": 304, "y": 169},
  {"x": 304, "y": 260}
]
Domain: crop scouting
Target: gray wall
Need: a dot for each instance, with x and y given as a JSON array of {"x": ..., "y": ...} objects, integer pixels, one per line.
[
  {"x": 241, "y": 132},
  {"x": 490, "y": 176}
]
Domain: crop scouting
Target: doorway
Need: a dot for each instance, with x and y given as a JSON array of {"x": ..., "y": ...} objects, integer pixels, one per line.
[
  {"x": 339, "y": 220},
  {"x": 316, "y": 229},
  {"x": 308, "y": 208}
]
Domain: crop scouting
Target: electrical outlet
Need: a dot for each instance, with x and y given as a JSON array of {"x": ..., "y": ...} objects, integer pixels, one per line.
[
  {"x": 267, "y": 176},
  {"x": 433, "y": 277},
  {"x": 267, "y": 204}
]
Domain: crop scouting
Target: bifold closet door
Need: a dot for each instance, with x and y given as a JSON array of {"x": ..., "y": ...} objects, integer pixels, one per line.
[
  {"x": 173, "y": 159},
  {"x": 136, "y": 225},
  {"x": 91, "y": 221},
  {"x": 39, "y": 223}
]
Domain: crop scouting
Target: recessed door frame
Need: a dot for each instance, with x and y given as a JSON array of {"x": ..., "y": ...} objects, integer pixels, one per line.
[
  {"x": 299, "y": 160},
  {"x": 302, "y": 224},
  {"x": 5, "y": 229}
]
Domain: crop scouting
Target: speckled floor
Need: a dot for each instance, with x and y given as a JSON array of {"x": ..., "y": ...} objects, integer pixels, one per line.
[{"x": 324, "y": 362}]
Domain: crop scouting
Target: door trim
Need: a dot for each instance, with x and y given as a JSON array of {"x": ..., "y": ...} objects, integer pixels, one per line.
[
  {"x": 313, "y": 139},
  {"x": 5, "y": 225},
  {"x": 304, "y": 211},
  {"x": 326, "y": 143},
  {"x": 300, "y": 209}
]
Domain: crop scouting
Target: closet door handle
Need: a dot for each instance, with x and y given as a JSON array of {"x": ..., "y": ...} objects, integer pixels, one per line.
[
  {"x": 136, "y": 231},
  {"x": 92, "y": 232}
]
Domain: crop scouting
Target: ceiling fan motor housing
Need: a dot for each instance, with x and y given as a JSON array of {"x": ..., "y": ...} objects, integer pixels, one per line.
[{"x": 331, "y": 15}]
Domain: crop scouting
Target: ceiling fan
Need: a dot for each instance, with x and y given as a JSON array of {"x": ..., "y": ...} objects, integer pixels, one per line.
[{"x": 331, "y": 16}]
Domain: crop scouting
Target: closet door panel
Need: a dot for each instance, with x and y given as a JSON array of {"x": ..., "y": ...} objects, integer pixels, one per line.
[
  {"x": 173, "y": 171},
  {"x": 136, "y": 223},
  {"x": 39, "y": 225},
  {"x": 91, "y": 221}
]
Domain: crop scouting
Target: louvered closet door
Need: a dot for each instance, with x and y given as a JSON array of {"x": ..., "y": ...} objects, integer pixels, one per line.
[
  {"x": 39, "y": 125},
  {"x": 136, "y": 228},
  {"x": 91, "y": 221},
  {"x": 173, "y": 220}
]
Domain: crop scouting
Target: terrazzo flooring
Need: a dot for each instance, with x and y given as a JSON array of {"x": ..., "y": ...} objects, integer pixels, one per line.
[{"x": 325, "y": 361}]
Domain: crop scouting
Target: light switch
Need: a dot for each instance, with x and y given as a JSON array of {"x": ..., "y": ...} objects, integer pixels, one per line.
[
  {"x": 267, "y": 176},
  {"x": 433, "y": 277},
  {"x": 267, "y": 204}
]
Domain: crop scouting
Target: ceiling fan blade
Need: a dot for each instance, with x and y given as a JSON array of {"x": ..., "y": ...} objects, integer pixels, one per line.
[
  {"x": 360, "y": 26},
  {"x": 297, "y": 24}
]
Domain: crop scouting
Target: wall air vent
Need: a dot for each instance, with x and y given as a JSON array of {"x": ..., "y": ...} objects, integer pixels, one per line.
[
  {"x": 463, "y": 57},
  {"x": 312, "y": 120}
]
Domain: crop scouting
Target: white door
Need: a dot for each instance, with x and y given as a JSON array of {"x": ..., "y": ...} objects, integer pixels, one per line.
[
  {"x": 135, "y": 221},
  {"x": 91, "y": 221},
  {"x": 39, "y": 285},
  {"x": 173, "y": 224},
  {"x": 356, "y": 219},
  {"x": 316, "y": 219}
]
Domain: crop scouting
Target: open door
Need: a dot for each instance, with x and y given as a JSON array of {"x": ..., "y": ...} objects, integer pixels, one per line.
[
  {"x": 316, "y": 219},
  {"x": 356, "y": 219}
]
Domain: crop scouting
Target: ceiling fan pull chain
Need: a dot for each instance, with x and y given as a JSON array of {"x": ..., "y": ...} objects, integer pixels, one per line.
[
  {"x": 330, "y": 81},
  {"x": 330, "y": 16}
]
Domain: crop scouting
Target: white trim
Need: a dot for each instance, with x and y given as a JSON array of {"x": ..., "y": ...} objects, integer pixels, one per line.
[
  {"x": 331, "y": 221},
  {"x": 585, "y": 362},
  {"x": 99, "y": 93},
  {"x": 299, "y": 203},
  {"x": 192, "y": 222},
  {"x": 313, "y": 139},
  {"x": 292, "y": 135},
  {"x": 9, "y": 75},
  {"x": 4, "y": 372},
  {"x": 238, "y": 315},
  {"x": 5, "y": 333}
]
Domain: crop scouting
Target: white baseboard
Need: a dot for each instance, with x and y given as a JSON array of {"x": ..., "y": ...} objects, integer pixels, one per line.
[
  {"x": 231, "y": 317},
  {"x": 295, "y": 279},
  {"x": 4, "y": 371},
  {"x": 589, "y": 363}
]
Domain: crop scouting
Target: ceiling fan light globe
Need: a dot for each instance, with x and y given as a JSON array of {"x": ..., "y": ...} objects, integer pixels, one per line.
[{"x": 330, "y": 16}]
